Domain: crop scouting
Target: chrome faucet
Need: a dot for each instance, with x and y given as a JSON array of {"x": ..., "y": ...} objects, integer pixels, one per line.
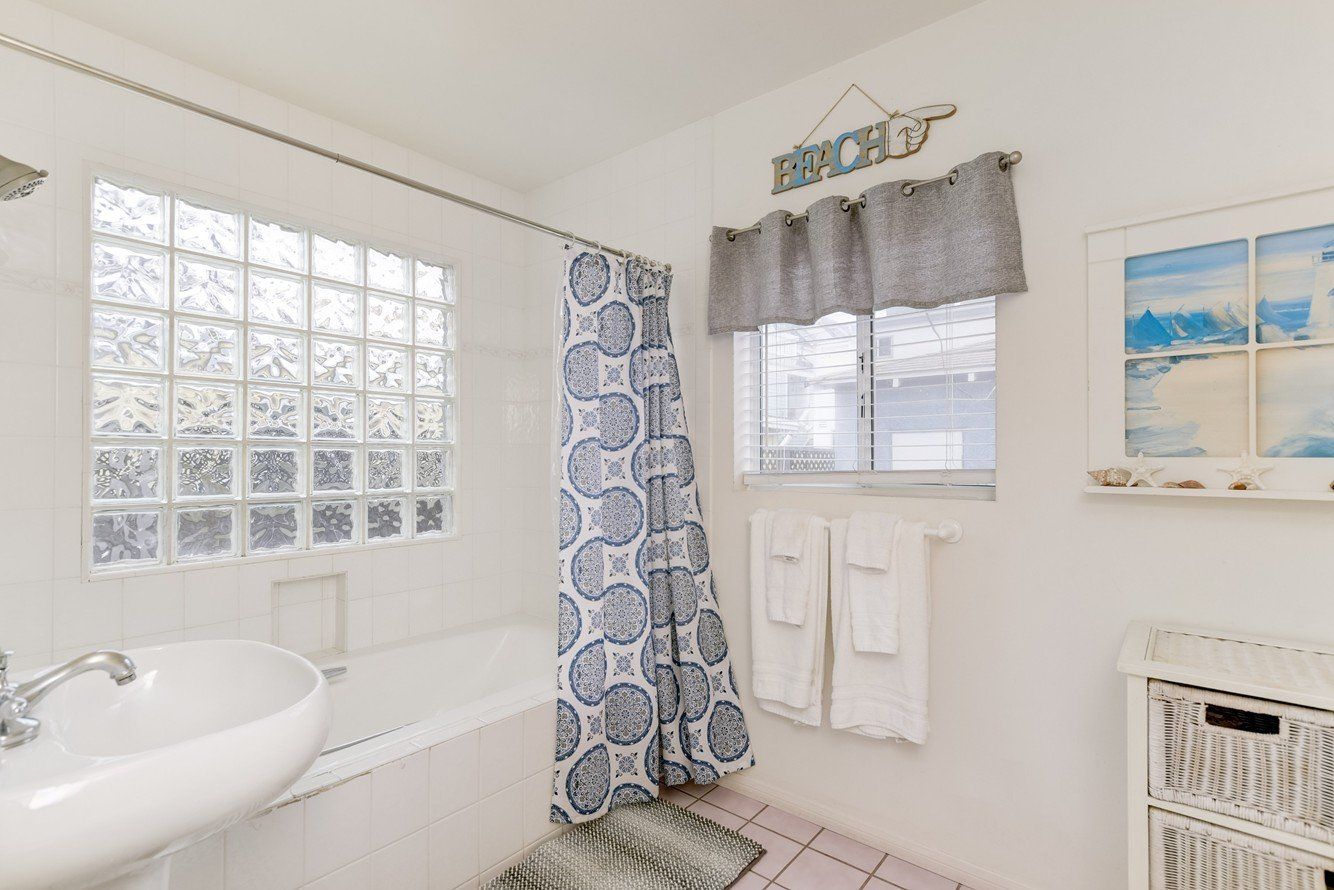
[{"x": 16, "y": 727}]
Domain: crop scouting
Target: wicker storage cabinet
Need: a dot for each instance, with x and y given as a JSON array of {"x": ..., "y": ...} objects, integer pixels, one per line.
[
  {"x": 1230, "y": 754},
  {"x": 1258, "y": 760},
  {"x": 1186, "y": 854}
]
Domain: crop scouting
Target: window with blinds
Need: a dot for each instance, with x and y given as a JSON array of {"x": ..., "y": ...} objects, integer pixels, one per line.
[{"x": 902, "y": 397}]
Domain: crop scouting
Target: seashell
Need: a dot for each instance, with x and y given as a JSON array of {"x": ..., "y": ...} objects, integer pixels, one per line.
[
  {"x": 1191, "y": 483},
  {"x": 1240, "y": 486},
  {"x": 1171, "y": 485},
  {"x": 1112, "y": 476}
]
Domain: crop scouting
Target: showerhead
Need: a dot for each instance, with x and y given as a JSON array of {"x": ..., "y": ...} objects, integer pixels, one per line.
[{"x": 18, "y": 180}]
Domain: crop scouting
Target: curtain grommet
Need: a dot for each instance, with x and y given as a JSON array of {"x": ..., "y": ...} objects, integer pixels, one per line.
[
  {"x": 787, "y": 219},
  {"x": 954, "y": 176},
  {"x": 844, "y": 204},
  {"x": 731, "y": 236},
  {"x": 861, "y": 201},
  {"x": 907, "y": 190}
]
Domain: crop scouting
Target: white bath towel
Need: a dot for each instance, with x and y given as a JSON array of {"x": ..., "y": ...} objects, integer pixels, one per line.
[
  {"x": 788, "y": 571},
  {"x": 874, "y": 694},
  {"x": 873, "y": 589},
  {"x": 787, "y": 660}
]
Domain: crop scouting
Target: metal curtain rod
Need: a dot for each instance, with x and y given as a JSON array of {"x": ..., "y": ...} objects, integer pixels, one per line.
[
  {"x": 909, "y": 187},
  {"x": 179, "y": 102}
]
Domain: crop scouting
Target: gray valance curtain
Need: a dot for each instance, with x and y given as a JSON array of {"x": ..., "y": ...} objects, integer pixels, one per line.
[{"x": 940, "y": 243}]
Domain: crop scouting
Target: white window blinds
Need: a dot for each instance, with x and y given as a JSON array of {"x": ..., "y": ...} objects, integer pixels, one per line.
[{"x": 902, "y": 397}]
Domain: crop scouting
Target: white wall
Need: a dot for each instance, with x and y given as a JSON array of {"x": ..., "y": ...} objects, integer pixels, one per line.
[
  {"x": 64, "y": 121},
  {"x": 1120, "y": 109}
]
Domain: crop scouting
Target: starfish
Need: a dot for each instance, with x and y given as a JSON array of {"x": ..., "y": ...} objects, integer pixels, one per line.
[
  {"x": 1140, "y": 471},
  {"x": 1246, "y": 472}
]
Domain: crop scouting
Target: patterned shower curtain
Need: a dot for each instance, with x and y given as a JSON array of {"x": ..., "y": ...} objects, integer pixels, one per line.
[{"x": 646, "y": 693}]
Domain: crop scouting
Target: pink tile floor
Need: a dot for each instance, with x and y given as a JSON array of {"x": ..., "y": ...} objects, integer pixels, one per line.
[{"x": 801, "y": 855}]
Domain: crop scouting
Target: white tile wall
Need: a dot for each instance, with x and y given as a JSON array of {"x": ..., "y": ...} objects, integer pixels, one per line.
[
  {"x": 415, "y": 822},
  {"x": 65, "y": 122}
]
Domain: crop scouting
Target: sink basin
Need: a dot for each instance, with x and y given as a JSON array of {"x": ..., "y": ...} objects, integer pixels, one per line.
[{"x": 121, "y": 776}]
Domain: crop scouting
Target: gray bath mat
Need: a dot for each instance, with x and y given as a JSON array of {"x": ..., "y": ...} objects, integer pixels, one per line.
[{"x": 644, "y": 846}]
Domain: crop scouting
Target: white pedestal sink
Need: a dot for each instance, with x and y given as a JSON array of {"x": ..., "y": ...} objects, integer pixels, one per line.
[{"x": 121, "y": 776}]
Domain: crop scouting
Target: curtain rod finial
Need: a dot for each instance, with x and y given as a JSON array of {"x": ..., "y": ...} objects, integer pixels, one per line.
[{"x": 1013, "y": 158}]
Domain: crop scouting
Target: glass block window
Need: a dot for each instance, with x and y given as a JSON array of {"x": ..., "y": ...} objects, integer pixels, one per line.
[{"x": 258, "y": 385}]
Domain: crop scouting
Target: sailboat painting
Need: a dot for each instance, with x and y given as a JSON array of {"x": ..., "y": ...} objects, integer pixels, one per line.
[
  {"x": 1294, "y": 285},
  {"x": 1195, "y": 296},
  {"x": 1187, "y": 405},
  {"x": 1294, "y": 410}
]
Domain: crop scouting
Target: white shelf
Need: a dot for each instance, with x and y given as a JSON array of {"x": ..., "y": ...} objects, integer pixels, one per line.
[{"x": 1261, "y": 494}]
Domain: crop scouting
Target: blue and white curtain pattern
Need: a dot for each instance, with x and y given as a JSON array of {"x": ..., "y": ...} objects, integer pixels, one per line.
[{"x": 646, "y": 693}]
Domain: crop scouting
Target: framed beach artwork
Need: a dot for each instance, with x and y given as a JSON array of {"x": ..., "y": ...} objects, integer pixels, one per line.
[{"x": 1211, "y": 343}]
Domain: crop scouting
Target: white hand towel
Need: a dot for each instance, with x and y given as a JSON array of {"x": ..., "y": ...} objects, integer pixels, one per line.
[
  {"x": 870, "y": 538},
  {"x": 873, "y": 590},
  {"x": 787, "y": 661},
  {"x": 873, "y": 694},
  {"x": 788, "y": 542}
]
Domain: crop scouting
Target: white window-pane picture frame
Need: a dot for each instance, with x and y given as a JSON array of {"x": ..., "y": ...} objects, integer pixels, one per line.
[
  {"x": 1211, "y": 342},
  {"x": 258, "y": 385}
]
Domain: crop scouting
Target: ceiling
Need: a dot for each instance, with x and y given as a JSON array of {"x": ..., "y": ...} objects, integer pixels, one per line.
[{"x": 518, "y": 92}]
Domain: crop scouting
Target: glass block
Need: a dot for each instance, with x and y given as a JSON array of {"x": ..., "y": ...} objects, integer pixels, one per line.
[
  {"x": 433, "y": 420},
  {"x": 205, "y": 472},
  {"x": 435, "y": 515},
  {"x": 126, "y": 210},
  {"x": 205, "y": 532},
  {"x": 435, "y": 282},
  {"x": 431, "y": 328},
  {"x": 333, "y": 469},
  {"x": 127, "y": 407},
  {"x": 274, "y": 244},
  {"x": 384, "y": 469},
  {"x": 212, "y": 349},
  {"x": 387, "y": 271},
  {"x": 122, "y": 474},
  {"x": 386, "y": 317},
  {"x": 334, "y": 363},
  {"x": 335, "y": 309},
  {"x": 332, "y": 258},
  {"x": 386, "y": 368},
  {"x": 275, "y": 413},
  {"x": 135, "y": 275},
  {"x": 434, "y": 468},
  {"x": 124, "y": 340},
  {"x": 277, "y": 356},
  {"x": 208, "y": 288},
  {"x": 384, "y": 519},
  {"x": 333, "y": 416},
  {"x": 207, "y": 230},
  {"x": 386, "y": 419},
  {"x": 274, "y": 527},
  {"x": 277, "y": 299},
  {"x": 275, "y": 471},
  {"x": 434, "y": 373},
  {"x": 205, "y": 412},
  {"x": 126, "y": 538},
  {"x": 332, "y": 522}
]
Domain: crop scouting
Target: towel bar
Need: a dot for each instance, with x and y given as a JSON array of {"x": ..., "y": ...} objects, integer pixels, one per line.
[{"x": 949, "y": 531}]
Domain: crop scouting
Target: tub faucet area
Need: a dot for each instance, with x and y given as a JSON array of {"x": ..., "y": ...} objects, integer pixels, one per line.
[{"x": 16, "y": 727}]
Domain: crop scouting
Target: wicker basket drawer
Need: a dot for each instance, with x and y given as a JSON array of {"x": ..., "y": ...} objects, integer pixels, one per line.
[
  {"x": 1265, "y": 762},
  {"x": 1185, "y": 854}
]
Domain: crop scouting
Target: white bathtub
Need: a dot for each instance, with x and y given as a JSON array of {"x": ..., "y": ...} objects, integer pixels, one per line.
[{"x": 402, "y": 697}]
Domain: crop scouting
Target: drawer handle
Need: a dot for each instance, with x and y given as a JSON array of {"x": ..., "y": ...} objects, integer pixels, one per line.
[{"x": 1243, "y": 721}]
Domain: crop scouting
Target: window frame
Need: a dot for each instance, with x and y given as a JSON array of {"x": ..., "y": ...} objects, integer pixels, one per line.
[
  {"x": 242, "y": 442},
  {"x": 749, "y": 420}
]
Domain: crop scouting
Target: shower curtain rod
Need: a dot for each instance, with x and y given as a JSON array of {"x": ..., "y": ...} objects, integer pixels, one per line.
[{"x": 179, "y": 102}]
